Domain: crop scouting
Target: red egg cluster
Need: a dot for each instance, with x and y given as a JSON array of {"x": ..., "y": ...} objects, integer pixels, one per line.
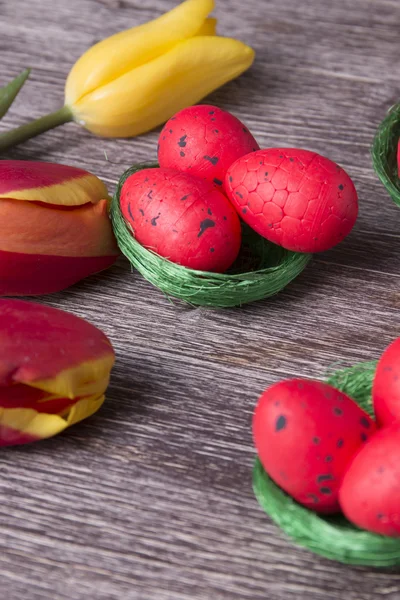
[
  {"x": 212, "y": 170},
  {"x": 319, "y": 446},
  {"x": 180, "y": 210}
]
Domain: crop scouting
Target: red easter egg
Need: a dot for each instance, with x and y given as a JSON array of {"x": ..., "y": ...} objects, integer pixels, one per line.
[
  {"x": 204, "y": 141},
  {"x": 370, "y": 492},
  {"x": 182, "y": 218},
  {"x": 294, "y": 198},
  {"x": 386, "y": 386},
  {"x": 306, "y": 433}
]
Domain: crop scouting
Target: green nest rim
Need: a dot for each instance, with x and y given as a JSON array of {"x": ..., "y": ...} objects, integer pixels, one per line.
[
  {"x": 261, "y": 270},
  {"x": 332, "y": 537},
  {"x": 384, "y": 152}
]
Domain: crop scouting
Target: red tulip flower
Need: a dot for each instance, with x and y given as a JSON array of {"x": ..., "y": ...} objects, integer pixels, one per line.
[
  {"x": 54, "y": 370},
  {"x": 54, "y": 227}
]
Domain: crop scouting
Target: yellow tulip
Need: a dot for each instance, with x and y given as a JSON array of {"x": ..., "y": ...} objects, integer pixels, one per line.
[{"x": 137, "y": 79}]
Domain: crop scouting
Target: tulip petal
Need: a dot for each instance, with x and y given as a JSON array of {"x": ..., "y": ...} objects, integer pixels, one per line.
[
  {"x": 36, "y": 275},
  {"x": 127, "y": 50},
  {"x": 39, "y": 343},
  {"x": 13, "y": 437},
  {"x": 30, "y": 228},
  {"x": 21, "y": 425},
  {"x": 149, "y": 95},
  {"x": 50, "y": 183},
  {"x": 54, "y": 370},
  {"x": 209, "y": 27},
  {"x": 24, "y": 396},
  {"x": 90, "y": 377}
]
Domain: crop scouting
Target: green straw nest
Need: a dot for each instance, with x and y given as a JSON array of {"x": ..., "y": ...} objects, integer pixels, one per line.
[
  {"x": 330, "y": 536},
  {"x": 384, "y": 152},
  {"x": 261, "y": 270}
]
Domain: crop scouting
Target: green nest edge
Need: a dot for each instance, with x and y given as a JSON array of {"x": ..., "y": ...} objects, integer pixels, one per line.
[
  {"x": 384, "y": 152},
  {"x": 330, "y": 536},
  {"x": 261, "y": 270}
]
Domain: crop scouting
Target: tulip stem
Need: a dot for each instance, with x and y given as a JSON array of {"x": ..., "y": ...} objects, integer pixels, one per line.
[{"x": 34, "y": 128}]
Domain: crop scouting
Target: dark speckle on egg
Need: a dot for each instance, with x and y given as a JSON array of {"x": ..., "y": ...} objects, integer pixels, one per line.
[
  {"x": 281, "y": 423},
  {"x": 204, "y": 225},
  {"x": 182, "y": 141},
  {"x": 213, "y": 159},
  {"x": 314, "y": 498}
]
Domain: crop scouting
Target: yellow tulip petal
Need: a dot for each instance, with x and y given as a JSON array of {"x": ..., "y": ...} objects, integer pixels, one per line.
[
  {"x": 209, "y": 27},
  {"x": 149, "y": 95},
  {"x": 38, "y": 425},
  {"x": 124, "y": 51},
  {"x": 71, "y": 193},
  {"x": 90, "y": 377},
  {"x": 50, "y": 183}
]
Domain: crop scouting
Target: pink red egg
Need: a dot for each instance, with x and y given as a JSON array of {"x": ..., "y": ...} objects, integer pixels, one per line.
[
  {"x": 370, "y": 491},
  {"x": 294, "y": 198},
  {"x": 306, "y": 433},
  {"x": 204, "y": 141},
  {"x": 386, "y": 386},
  {"x": 182, "y": 218}
]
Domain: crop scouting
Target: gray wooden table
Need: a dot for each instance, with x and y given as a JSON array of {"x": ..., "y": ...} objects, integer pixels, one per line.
[{"x": 151, "y": 499}]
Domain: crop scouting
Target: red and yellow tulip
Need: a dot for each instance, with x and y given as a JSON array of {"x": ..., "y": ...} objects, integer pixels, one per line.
[
  {"x": 54, "y": 371},
  {"x": 54, "y": 227}
]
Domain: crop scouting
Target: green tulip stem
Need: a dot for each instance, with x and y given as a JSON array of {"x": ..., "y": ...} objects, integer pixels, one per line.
[{"x": 34, "y": 128}]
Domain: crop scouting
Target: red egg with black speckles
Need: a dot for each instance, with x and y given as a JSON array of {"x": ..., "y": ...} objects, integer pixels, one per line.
[
  {"x": 182, "y": 218},
  {"x": 294, "y": 198},
  {"x": 306, "y": 433},
  {"x": 386, "y": 386},
  {"x": 204, "y": 140},
  {"x": 370, "y": 492}
]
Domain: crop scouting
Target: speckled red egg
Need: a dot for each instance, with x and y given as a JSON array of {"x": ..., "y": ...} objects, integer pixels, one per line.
[
  {"x": 306, "y": 433},
  {"x": 370, "y": 492},
  {"x": 386, "y": 386},
  {"x": 182, "y": 218},
  {"x": 294, "y": 198},
  {"x": 204, "y": 141}
]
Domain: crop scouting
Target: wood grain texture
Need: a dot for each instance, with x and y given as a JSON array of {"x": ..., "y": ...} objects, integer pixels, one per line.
[{"x": 151, "y": 498}]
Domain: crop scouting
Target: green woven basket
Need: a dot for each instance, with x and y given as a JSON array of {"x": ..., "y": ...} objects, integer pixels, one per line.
[
  {"x": 330, "y": 536},
  {"x": 261, "y": 270},
  {"x": 384, "y": 152}
]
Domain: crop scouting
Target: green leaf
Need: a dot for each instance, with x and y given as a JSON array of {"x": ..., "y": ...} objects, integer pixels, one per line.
[{"x": 9, "y": 92}]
